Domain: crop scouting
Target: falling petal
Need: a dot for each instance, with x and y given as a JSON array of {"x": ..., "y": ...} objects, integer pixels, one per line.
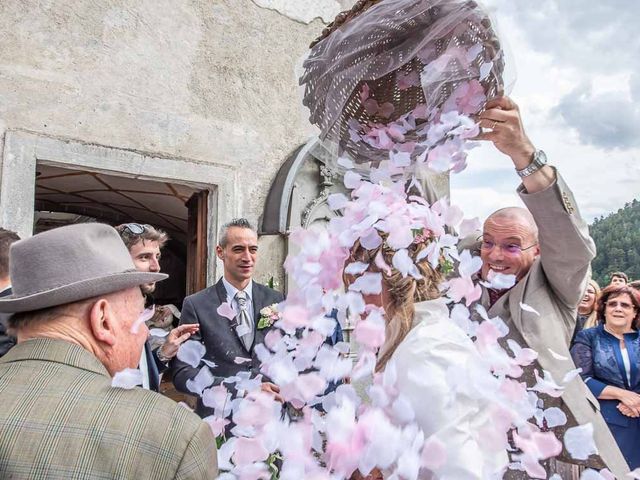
[
  {"x": 356, "y": 268},
  {"x": 368, "y": 283},
  {"x": 337, "y": 201},
  {"x": 528, "y": 308},
  {"x": 226, "y": 310},
  {"x": 372, "y": 240},
  {"x": 579, "y": 441},
  {"x": 381, "y": 264},
  {"x": 202, "y": 380},
  {"x": 146, "y": 314},
  {"x": 128, "y": 378},
  {"x": 570, "y": 375},
  {"x": 485, "y": 69},
  {"x": 345, "y": 163},
  {"x": 404, "y": 264},
  {"x": 386, "y": 109},
  {"x": 158, "y": 332},
  {"x": 469, "y": 264},
  {"x": 371, "y": 106},
  {"x": 216, "y": 424},
  {"x": 249, "y": 450},
  {"x": 351, "y": 180},
  {"x": 191, "y": 352},
  {"x": 434, "y": 453},
  {"x": 499, "y": 281},
  {"x": 554, "y": 417},
  {"x": 557, "y": 356}
]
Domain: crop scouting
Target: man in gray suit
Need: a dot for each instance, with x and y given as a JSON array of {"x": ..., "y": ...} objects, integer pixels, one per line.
[
  {"x": 7, "y": 237},
  {"x": 230, "y": 343},
  {"x": 77, "y": 307},
  {"x": 548, "y": 249}
]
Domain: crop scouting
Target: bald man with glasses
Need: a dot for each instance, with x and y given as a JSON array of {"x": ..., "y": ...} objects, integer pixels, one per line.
[{"x": 547, "y": 249}]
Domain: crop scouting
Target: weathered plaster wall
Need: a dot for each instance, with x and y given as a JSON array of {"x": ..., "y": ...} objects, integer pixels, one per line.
[
  {"x": 207, "y": 80},
  {"x": 307, "y": 11}
]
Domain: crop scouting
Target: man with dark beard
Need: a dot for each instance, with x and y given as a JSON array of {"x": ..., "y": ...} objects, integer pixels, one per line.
[{"x": 144, "y": 243}]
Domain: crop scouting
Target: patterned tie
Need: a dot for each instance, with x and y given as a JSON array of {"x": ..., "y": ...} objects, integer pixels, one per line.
[{"x": 245, "y": 325}]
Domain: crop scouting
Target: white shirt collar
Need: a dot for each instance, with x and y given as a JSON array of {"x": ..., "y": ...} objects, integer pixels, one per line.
[{"x": 231, "y": 290}]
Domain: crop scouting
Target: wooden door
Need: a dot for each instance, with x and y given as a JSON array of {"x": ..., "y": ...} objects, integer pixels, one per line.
[{"x": 197, "y": 248}]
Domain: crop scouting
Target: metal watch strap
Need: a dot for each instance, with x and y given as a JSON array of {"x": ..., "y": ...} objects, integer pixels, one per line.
[{"x": 538, "y": 161}]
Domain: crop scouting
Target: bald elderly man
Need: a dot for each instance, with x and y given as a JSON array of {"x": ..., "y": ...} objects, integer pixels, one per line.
[{"x": 548, "y": 249}]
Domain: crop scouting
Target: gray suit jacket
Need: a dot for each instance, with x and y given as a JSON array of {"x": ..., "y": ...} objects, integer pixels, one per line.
[
  {"x": 554, "y": 286},
  {"x": 219, "y": 336},
  {"x": 62, "y": 419}
]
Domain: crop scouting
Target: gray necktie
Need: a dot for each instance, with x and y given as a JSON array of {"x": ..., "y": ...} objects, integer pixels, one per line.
[{"x": 245, "y": 325}]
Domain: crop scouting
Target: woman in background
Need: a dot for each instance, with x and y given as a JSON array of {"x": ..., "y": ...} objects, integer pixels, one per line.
[
  {"x": 587, "y": 309},
  {"x": 609, "y": 356}
]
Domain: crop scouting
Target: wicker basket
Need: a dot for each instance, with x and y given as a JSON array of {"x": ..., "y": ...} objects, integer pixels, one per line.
[{"x": 382, "y": 89}]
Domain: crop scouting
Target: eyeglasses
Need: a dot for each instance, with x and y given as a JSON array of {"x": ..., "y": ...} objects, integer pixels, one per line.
[
  {"x": 134, "y": 228},
  {"x": 508, "y": 248},
  {"x": 622, "y": 305}
]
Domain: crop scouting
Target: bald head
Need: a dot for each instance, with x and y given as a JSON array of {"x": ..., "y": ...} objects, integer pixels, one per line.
[
  {"x": 518, "y": 215},
  {"x": 510, "y": 242}
]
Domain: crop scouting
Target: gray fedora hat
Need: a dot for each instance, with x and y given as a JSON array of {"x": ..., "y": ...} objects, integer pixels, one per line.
[{"x": 69, "y": 264}]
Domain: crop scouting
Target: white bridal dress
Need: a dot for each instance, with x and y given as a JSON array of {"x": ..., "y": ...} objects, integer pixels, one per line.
[{"x": 431, "y": 363}]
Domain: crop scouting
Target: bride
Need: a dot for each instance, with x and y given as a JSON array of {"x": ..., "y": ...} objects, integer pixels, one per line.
[{"x": 425, "y": 349}]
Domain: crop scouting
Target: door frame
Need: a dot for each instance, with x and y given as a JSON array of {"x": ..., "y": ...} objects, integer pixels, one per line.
[{"x": 24, "y": 150}]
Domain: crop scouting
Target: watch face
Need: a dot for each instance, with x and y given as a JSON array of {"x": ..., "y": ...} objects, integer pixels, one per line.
[{"x": 540, "y": 158}]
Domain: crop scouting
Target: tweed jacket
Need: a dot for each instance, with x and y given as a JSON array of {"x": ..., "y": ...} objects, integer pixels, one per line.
[
  {"x": 6, "y": 341},
  {"x": 223, "y": 346},
  {"x": 62, "y": 419},
  {"x": 554, "y": 286}
]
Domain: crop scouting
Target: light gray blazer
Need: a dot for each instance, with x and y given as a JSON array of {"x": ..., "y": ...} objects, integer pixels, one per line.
[{"x": 554, "y": 286}]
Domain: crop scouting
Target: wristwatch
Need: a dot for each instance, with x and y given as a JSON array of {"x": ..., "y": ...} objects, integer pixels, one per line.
[
  {"x": 162, "y": 357},
  {"x": 539, "y": 160}
]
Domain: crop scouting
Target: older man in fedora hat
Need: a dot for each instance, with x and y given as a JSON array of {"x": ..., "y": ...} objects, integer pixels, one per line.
[{"x": 76, "y": 305}]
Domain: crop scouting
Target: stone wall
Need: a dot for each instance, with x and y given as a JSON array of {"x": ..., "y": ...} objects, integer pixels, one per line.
[{"x": 210, "y": 81}]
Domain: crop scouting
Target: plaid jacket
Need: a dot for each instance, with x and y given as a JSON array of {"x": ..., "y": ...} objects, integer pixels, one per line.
[{"x": 60, "y": 418}]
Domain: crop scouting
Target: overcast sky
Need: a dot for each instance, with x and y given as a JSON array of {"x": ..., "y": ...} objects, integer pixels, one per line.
[{"x": 577, "y": 81}]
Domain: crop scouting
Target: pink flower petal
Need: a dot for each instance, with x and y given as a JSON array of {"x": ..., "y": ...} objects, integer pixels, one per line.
[
  {"x": 579, "y": 441},
  {"x": 128, "y": 378},
  {"x": 146, "y": 314},
  {"x": 226, "y": 310},
  {"x": 368, "y": 283},
  {"x": 248, "y": 451},
  {"x": 434, "y": 453},
  {"x": 216, "y": 424},
  {"x": 352, "y": 180},
  {"x": 191, "y": 352},
  {"x": 371, "y": 106},
  {"x": 202, "y": 380}
]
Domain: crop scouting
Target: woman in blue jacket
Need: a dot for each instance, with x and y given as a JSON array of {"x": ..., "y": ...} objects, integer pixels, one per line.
[{"x": 609, "y": 355}]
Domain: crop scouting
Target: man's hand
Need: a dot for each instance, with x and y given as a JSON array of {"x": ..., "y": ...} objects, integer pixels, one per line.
[
  {"x": 502, "y": 117},
  {"x": 177, "y": 337},
  {"x": 273, "y": 389}
]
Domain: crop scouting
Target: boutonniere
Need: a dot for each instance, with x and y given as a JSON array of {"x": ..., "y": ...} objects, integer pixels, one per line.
[{"x": 268, "y": 316}]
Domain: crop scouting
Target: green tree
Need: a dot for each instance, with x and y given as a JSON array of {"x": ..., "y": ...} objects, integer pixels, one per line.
[{"x": 617, "y": 238}]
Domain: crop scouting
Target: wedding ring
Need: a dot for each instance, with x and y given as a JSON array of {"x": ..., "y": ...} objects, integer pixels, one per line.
[{"x": 493, "y": 125}]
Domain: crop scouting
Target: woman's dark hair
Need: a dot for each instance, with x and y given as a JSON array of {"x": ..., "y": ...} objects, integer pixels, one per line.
[{"x": 613, "y": 291}]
